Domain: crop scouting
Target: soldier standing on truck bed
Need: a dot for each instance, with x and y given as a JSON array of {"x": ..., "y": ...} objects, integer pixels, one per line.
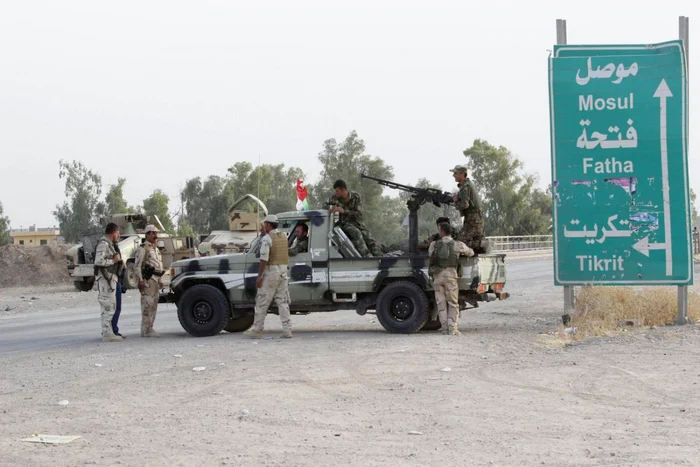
[
  {"x": 445, "y": 270},
  {"x": 148, "y": 268},
  {"x": 272, "y": 282},
  {"x": 347, "y": 204},
  {"x": 468, "y": 203},
  {"x": 107, "y": 267}
]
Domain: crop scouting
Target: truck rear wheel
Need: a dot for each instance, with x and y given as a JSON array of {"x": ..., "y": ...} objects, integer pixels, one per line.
[
  {"x": 203, "y": 310},
  {"x": 402, "y": 307},
  {"x": 239, "y": 324}
]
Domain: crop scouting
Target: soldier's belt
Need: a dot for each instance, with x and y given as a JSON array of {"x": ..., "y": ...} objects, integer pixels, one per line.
[{"x": 158, "y": 274}]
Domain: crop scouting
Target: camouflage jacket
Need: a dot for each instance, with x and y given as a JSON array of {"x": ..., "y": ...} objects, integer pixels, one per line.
[
  {"x": 147, "y": 254},
  {"x": 351, "y": 206},
  {"x": 106, "y": 268},
  {"x": 301, "y": 246},
  {"x": 468, "y": 198}
]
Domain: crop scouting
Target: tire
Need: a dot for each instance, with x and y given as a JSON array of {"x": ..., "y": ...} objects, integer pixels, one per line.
[
  {"x": 203, "y": 310},
  {"x": 402, "y": 308},
  {"x": 239, "y": 324},
  {"x": 129, "y": 280},
  {"x": 84, "y": 285}
]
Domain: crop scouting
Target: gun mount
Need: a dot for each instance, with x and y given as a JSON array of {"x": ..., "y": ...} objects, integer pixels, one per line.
[{"x": 419, "y": 197}]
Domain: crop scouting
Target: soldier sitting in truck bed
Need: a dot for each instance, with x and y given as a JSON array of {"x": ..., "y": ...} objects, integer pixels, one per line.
[{"x": 347, "y": 204}]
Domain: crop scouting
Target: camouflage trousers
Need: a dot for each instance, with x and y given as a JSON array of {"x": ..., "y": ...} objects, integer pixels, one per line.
[
  {"x": 107, "y": 298},
  {"x": 275, "y": 288},
  {"x": 447, "y": 298},
  {"x": 472, "y": 231},
  {"x": 363, "y": 241},
  {"x": 149, "y": 305}
]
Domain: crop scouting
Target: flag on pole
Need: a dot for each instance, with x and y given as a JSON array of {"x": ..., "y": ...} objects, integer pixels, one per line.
[{"x": 302, "y": 203}]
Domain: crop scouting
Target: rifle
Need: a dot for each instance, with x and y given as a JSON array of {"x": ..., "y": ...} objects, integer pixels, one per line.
[{"x": 420, "y": 195}]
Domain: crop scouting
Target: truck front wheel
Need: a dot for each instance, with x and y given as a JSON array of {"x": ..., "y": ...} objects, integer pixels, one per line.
[
  {"x": 129, "y": 280},
  {"x": 402, "y": 307},
  {"x": 203, "y": 310}
]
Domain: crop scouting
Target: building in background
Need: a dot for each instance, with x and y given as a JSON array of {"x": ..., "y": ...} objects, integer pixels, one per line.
[{"x": 35, "y": 237}]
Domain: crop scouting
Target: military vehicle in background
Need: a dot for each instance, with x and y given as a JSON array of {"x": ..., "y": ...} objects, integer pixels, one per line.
[
  {"x": 81, "y": 257},
  {"x": 244, "y": 225}
]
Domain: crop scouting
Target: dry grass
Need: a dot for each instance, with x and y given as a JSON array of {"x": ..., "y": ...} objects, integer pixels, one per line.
[{"x": 604, "y": 311}]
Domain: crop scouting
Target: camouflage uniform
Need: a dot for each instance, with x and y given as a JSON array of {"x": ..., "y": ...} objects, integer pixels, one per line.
[
  {"x": 469, "y": 206},
  {"x": 106, "y": 282},
  {"x": 352, "y": 224},
  {"x": 275, "y": 284},
  {"x": 301, "y": 246},
  {"x": 149, "y": 254},
  {"x": 446, "y": 285}
]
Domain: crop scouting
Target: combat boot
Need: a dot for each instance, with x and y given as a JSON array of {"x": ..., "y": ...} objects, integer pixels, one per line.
[
  {"x": 111, "y": 338},
  {"x": 287, "y": 333},
  {"x": 253, "y": 334},
  {"x": 151, "y": 333},
  {"x": 453, "y": 331}
]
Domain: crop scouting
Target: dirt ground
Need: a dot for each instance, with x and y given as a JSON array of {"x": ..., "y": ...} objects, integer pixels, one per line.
[
  {"x": 344, "y": 392},
  {"x": 33, "y": 265}
]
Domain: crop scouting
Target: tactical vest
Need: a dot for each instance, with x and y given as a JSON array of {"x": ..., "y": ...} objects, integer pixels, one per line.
[
  {"x": 279, "y": 254},
  {"x": 474, "y": 202},
  {"x": 112, "y": 269},
  {"x": 444, "y": 257}
]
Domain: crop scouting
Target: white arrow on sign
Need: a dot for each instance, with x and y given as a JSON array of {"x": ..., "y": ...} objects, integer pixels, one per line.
[
  {"x": 643, "y": 246},
  {"x": 662, "y": 92}
]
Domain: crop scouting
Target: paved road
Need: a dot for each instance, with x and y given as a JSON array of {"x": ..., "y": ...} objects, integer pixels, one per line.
[{"x": 45, "y": 330}]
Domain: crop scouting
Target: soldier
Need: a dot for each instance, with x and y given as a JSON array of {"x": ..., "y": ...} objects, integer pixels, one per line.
[
  {"x": 347, "y": 204},
  {"x": 301, "y": 244},
  {"x": 469, "y": 206},
  {"x": 445, "y": 270},
  {"x": 272, "y": 281},
  {"x": 425, "y": 244},
  {"x": 148, "y": 268},
  {"x": 107, "y": 265}
]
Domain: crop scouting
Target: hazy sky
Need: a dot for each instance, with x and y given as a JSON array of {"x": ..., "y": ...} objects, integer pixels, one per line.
[{"x": 162, "y": 91}]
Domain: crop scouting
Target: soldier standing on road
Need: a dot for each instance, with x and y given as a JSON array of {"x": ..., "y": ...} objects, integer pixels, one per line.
[
  {"x": 446, "y": 270},
  {"x": 347, "y": 204},
  {"x": 301, "y": 244},
  {"x": 107, "y": 264},
  {"x": 148, "y": 268},
  {"x": 272, "y": 282},
  {"x": 469, "y": 206}
]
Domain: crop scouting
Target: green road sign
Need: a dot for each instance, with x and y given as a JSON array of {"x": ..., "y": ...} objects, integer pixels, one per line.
[{"x": 621, "y": 211}]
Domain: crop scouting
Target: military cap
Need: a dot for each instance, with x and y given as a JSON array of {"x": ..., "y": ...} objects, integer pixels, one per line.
[
  {"x": 151, "y": 228},
  {"x": 459, "y": 168},
  {"x": 272, "y": 219}
]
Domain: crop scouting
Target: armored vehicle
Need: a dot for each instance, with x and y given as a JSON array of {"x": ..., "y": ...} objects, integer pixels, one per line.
[
  {"x": 81, "y": 257},
  {"x": 243, "y": 228}
]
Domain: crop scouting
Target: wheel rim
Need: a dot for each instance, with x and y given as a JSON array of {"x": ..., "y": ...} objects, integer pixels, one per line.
[
  {"x": 401, "y": 308},
  {"x": 202, "y": 312},
  {"x": 131, "y": 277}
]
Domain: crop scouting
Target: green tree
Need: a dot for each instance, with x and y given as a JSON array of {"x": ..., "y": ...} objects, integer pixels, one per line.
[
  {"x": 510, "y": 202},
  {"x": 80, "y": 210},
  {"x": 205, "y": 204},
  {"x": 693, "y": 210},
  {"x": 5, "y": 238},
  {"x": 114, "y": 199},
  {"x": 157, "y": 204},
  {"x": 347, "y": 160}
]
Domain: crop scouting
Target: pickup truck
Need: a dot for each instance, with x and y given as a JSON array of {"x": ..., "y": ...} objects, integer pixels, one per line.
[{"x": 218, "y": 292}]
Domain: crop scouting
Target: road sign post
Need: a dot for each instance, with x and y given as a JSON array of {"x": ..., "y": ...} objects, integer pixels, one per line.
[{"x": 621, "y": 211}]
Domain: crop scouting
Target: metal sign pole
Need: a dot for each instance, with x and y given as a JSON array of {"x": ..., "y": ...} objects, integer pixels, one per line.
[
  {"x": 568, "y": 289},
  {"x": 683, "y": 23}
]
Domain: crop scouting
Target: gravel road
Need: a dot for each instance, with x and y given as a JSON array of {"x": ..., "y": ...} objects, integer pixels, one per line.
[{"x": 343, "y": 391}]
